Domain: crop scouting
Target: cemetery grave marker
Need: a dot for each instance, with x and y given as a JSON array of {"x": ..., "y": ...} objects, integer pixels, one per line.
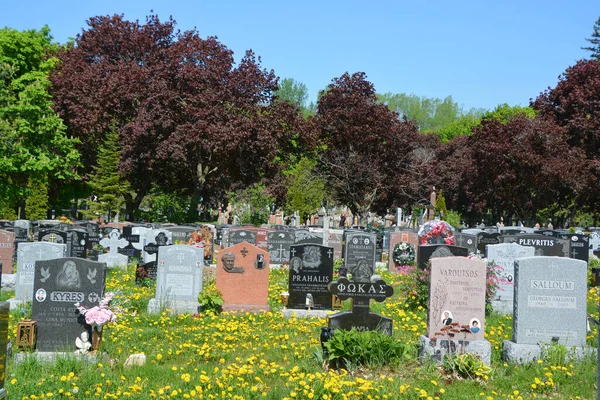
[
  {"x": 485, "y": 238},
  {"x": 58, "y": 285},
  {"x": 279, "y": 246},
  {"x": 425, "y": 253},
  {"x": 27, "y": 255},
  {"x": 466, "y": 240},
  {"x": 243, "y": 278},
  {"x": 237, "y": 236},
  {"x": 544, "y": 245},
  {"x": 580, "y": 245},
  {"x": 504, "y": 255},
  {"x": 311, "y": 271},
  {"x": 360, "y": 318},
  {"x": 179, "y": 279},
  {"x": 304, "y": 236},
  {"x": 359, "y": 255},
  {"x": 549, "y": 306},
  {"x": 7, "y": 251},
  {"x": 113, "y": 242},
  {"x": 456, "y": 303},
  {"x": 409, "y": 237}
]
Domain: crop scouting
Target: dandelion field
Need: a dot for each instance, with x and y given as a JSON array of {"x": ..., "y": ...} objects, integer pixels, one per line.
[{"x": 266, "y": 356}]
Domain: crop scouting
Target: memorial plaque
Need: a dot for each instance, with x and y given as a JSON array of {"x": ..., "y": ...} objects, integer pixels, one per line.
[
  {"x": 543, "y": 245},
  {"x": 359, "y": 255},
  {"x": 550, "y": 301},
  {"x": 279, "y": 246},
  {"x": 504, "y": 255},
  {"x": 58, "y": 285},
  {"x": 311, "y": 271},
  {"x": 457, "y": 294}
]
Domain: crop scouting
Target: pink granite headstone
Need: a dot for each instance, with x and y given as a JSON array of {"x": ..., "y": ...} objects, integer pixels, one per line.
[
  {"x": 400, "y": 237},
  {"x": 7, "y": 249}
]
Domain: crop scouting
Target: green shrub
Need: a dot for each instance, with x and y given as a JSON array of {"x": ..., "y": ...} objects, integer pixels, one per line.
[
  {"x": 370, "y": 348},
  {"x": 211, "y": 299},
  {"x": 466, "y": 366}
]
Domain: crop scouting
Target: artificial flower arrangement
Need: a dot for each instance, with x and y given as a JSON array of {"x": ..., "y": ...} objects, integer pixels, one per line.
[
  {"x": 436, "y": 232},
  {"x": 404, "y": 254},
  {"x": 98, "y": 315}
]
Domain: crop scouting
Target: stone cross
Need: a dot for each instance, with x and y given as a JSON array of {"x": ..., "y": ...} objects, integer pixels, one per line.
[{"x": 113, "y": 242}]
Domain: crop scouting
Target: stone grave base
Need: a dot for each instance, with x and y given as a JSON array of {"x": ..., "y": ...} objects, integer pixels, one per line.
[
  {"x": 114, "y": 261},
  {"x": 437, "y": 349},
  {"x": 241, "y": 308},
  {"x": 289, "y": 313},
  {"x": 52, "y": 356},
  {"x": 502, "y": 307},
  {"x": 155, "y": 306},
  {"x": 519, "y": 353},
  {"x": 9, "y": 281}
]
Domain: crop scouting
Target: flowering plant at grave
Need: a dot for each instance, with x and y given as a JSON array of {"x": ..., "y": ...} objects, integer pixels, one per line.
[
  {"x": 404, "y": 254},
  {"x": 436, "y": 232},
  {"x": 98, "y": 315}
]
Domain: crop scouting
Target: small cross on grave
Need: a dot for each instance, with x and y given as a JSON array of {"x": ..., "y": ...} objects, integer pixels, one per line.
[
  {"x": 113, "y": 242},
  {"x": 281, "y": 251},
  {"x": 293, "y": 252},
  {"x": 40, "y": 253},
  {"x": 244, "y": 252},
  {"x": 329, "y": 253},
  {"x": 361, "y": 293},
  {"x": 52, "y": 238},
  {"x": 181, "y": 257}
]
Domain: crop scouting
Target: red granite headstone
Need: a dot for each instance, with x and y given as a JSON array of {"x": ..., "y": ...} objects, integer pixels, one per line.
[
  {"x": 399, "y": 237},
  {"x": 7, "y": 249},
  {"x": 243, "y": 278}
]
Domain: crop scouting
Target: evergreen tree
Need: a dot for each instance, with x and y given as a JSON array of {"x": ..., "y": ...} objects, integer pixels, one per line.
[
  {"x": 595, "y": 41},
  {"x": 107, "y": 184},
  {"x": 440, "y": 206},
  {"x": 36, "y": 204}
]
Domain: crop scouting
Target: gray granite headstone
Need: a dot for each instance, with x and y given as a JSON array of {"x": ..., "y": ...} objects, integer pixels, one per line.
[
  {"x": 58, "y": 285},
  {"x": 311, "y": 271},
  {"x": 550, "y": 301},
  {"x": 114, "y": 242},
  {"x": 179, "y": 279},
  {"x": 279, "y": 243},
  {"x": 504, "y": 255},
  {"x": 27, "y": 255}
]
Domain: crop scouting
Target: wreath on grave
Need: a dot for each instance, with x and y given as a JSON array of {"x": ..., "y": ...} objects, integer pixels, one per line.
[
  {"x": 404, "y": 253},
  {"x": 436, "y": 232}
]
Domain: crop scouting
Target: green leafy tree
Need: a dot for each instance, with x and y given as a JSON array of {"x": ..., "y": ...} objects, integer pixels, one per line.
[
  {"x": 108, "y": 185},
  {"x": 252, "y": 205},
  {"x": 460, "y": 127},
  {"x": 295, "y": 93},
  {"x": 306, "y": 191},
  {"x": 504, "y": 113},
  {"x": 594, "y": 47},
  {"x": 37, "y": 200},
  {"x": 32, "y": 137}
]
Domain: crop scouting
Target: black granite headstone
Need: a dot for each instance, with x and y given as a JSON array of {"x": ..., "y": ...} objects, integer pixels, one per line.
[
  {"x": 241, "y": 235},
  {"x": 360, "y": 318},
  {"x": 77, "y": 243},
  {"x": 279, "y": 243},
  {"x": 304, "y": 236},
  {"x": 59, "y": 284},
  {"x": 484, "y": 238},
  {"x": 544, "y": 245},
  {"x": 359, "y": 254},
  {"x": 580, "y": 245},
  {"x": 466, "y": 240},
  {"x": 429, "y": 251},
  {"x": 181, "y": 234},
  {"x": 52, "y": 236},
  {"x": 311, "y": 270},
  {"x": 129, "y": 250}
]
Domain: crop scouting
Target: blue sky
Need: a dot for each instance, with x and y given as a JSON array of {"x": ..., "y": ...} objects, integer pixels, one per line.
[{"x": 481, "y": 53}]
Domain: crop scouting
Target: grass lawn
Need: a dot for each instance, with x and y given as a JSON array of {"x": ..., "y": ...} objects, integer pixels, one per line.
[{"x": 266, "y": 356}]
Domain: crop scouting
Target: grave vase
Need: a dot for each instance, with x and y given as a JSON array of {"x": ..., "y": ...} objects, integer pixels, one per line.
[{"x": 96, "y": 337}]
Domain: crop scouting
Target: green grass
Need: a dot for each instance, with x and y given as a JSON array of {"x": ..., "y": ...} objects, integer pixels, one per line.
[{"x": 266, "y": 356}]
